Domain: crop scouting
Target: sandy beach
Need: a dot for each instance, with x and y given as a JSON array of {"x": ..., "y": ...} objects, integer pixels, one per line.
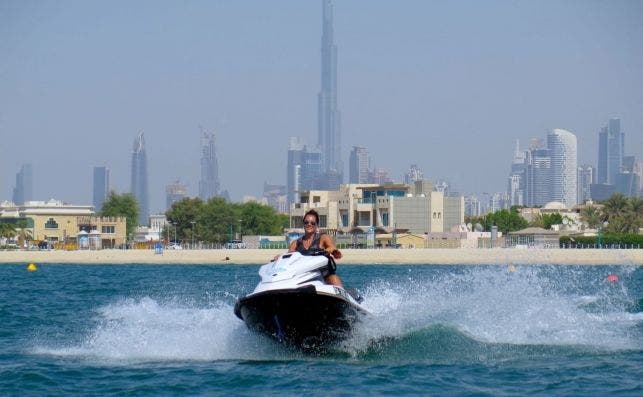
[{"x": 498, "y": 256}]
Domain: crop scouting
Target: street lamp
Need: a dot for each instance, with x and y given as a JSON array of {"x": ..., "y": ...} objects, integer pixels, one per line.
[
  {"x": 193, "y": 223},
  {"x": 240, "y": 238}
]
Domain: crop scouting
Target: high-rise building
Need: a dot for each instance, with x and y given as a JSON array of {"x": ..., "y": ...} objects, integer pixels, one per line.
[
  {"x": 551, "y": 173},
  {"x": 472, "y": 206},
  {"x": 275, "y": 197},
  {"x": 564, "y": 167},
  {"x": 175, "y": 192},
  {"x": 516, "y": 182},
  {"x": 209, "y": 183},
  {"x": 413, "y": 174},
  {"x": 139, "y": 187},
  {"x": 380, "y": 176},
  {"x": 312, "y": 175},
  {"x": 293, "y": 172},
  {"x": 101, "y": 187},
  {"x": 628, "y": 181},
  {"x": 329, "y": 118},
  {"x": 23, "y": 191},
  {"x": 611, "y": 143},
  {"x": 359, "y": 165},
  {"x": 537, "y": 177},
  {"x": 586, "y": 177}
]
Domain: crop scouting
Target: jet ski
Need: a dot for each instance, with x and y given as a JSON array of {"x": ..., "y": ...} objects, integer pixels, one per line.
[{"x": 293, "y": 305}]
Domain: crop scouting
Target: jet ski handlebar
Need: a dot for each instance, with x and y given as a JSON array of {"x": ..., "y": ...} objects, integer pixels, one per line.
[
  {"x": 331, "y": 261},
  {"x": 336, "y": 254}
]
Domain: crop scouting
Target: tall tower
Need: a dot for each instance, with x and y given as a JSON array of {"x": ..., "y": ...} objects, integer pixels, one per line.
[
  {"x": 209, "y": 183},
  {"x": 586, "y": 177},
  {"x": 101, "y": 187},
  {"x": 24, "y": 185},
  {"x": 564, "y": 167},
  {"x": 413, "y": 175},
  {"x": 610, "y": 152},
  {"x": 329, "y": 118},
  {"x": 139, "y": 179},
  {"x": 359, "y": 165},
  {"x": 516, "y": 182},
  {"x": 293, "y": 173},
  {"x": 174, "y": 193}
]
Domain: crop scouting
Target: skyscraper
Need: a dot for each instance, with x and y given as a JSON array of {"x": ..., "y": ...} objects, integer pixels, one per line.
[
  {"x": 293, "y": 172},
  {"x": 305, "y": 170},
  {"x": 175, "y": 192},
  {"x": 413, "y": 174},
  {"x": 516, "y": 183},
  {"x": 610, "y": 152},
  {"x": 359, "y": 165},
  {"x": 209, "y": 183},
  {"x": 564, "y": 167},
  {"x": 329, "y": 118},
  {"x": 139, "y": 186},
  {"x": 23, "y": 191},
  {"x": 537, "y": 177},
  {"x": 586, "y": 177},
  {"x": 550, "y": 174},
  {"x": 101, "y": 187}
]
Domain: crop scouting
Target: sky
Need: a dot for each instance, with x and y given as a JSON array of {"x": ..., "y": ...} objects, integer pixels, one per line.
[{"x": 447, "y": 85}]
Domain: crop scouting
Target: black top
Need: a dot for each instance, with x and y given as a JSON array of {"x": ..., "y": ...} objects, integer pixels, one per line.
[{"x": 314, "y": 246}]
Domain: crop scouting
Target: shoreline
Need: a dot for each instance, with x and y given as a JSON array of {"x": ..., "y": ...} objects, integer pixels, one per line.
[{"x": 429, "y": 256}]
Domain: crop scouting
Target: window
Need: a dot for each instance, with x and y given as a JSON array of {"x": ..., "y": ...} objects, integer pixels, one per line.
[
  {"x": 385, "y": 219},
  {"x": 316, "y": 199},
  {"x": 345, "y": 220},
  {"x": 108, "y": 229},
  {"x": 51, "y": 224}
]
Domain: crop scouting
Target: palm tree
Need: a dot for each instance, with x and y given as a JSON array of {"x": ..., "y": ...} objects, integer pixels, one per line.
[
  {"x": 636, "y": 206},
  {"x": 24, "y": 234},
  {"x": 7, "y": 230},
  {"x": 636, "y": 209},
  {"x": 592, "y": 216},
  {"x": 615, "y": 206}
]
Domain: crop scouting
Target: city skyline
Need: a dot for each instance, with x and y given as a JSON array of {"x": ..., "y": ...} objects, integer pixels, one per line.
[{"x": 448, "y": 87}]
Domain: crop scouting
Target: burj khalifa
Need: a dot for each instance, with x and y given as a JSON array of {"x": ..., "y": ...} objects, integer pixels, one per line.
[{"x": 329, "y": 118}]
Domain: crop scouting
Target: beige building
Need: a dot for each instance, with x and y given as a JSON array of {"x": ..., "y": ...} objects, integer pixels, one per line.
[
  {"x": 73, "y": 226},
  {"x": 366, "y": 209}
]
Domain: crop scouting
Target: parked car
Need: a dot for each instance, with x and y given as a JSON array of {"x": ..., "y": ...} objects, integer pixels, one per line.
[
  {"x": 235, "y": 244},
  {"x": 174, "y": 246}
]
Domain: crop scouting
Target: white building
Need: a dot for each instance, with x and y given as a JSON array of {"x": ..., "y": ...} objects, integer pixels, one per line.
[{"x": 564, "y": 167}]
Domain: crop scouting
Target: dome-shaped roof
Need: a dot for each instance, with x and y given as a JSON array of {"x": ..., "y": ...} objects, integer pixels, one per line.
[{"x": 555, "y": 205}]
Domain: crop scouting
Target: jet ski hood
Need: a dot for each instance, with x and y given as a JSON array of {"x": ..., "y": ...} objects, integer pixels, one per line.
[{"x": 292, "y": 265}]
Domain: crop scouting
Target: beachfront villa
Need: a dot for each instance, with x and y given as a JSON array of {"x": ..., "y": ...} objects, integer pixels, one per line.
[
  {"x": 65, "y": 225},
  {"x": 357, "y": 213}
]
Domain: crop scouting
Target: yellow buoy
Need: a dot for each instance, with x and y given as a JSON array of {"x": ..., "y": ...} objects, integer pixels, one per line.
[
  {"x": 32, "y": 267},
  {"x": 512, "y": 268}
]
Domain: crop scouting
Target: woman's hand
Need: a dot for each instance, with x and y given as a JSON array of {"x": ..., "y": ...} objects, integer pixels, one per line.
[{"x": 334, "y": 252}]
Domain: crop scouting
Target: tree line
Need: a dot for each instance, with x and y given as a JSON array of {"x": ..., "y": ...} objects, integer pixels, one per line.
[
  {"x": 616, "y": 215},
  {"x": 213, "y": 221}
]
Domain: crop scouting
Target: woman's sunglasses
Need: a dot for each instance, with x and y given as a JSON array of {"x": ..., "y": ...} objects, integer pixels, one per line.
[{"x": 309, "y": 223}]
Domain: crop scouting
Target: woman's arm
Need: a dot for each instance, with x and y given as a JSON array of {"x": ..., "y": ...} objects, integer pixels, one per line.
[
  {"x": 293, "y": 246},
  {"x": 327, "y": 244}
]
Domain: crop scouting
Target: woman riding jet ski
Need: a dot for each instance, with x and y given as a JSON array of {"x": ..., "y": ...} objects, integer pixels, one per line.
[{"x": 300, "y": 300}]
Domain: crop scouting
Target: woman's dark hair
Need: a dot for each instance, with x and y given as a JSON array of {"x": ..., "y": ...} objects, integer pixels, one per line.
[{"x": 313, "y": 213}]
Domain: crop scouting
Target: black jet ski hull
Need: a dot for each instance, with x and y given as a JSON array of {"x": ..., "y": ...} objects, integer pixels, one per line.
[{"x": 300, "y": 317}]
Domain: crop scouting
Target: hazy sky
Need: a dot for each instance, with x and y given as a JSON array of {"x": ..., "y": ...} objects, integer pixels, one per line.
[{"x": 448, "y": 85}]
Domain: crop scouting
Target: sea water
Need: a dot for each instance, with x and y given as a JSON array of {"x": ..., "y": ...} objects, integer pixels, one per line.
[{"x": 148, "y": 330}]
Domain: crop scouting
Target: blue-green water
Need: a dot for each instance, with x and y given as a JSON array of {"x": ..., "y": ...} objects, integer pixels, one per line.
[{"x": 436, "y": 330}]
